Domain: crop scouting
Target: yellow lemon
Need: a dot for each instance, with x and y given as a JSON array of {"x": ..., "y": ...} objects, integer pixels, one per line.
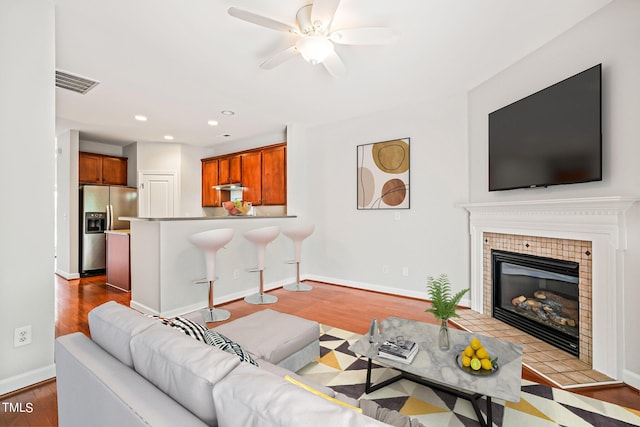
[
  {"x": 466, "y": 361},
  {"x": 482, "y": 353},
  {"x": 468, "y": 351},
  {"x": 475, "y": 364},
  {"x": 486, "y": 364},
  {"x": 475, "y": 343}
]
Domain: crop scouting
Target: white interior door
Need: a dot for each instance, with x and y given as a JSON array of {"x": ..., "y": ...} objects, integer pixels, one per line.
[{"x": 157, "y": 194}]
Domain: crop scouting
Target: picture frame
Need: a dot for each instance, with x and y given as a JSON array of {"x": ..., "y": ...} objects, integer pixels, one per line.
[{"x": 383, "y": 175}]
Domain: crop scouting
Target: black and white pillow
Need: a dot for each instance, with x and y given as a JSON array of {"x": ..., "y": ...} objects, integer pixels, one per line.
[
  {"x": 216, "y": 339},
  {"x": 189, "y": 327}
]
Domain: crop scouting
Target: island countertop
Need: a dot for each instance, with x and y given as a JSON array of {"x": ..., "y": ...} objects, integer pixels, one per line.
[{"x": 197, "y": 218}]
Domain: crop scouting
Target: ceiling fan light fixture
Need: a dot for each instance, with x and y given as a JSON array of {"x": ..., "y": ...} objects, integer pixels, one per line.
[{"x": 314, "y": 49}]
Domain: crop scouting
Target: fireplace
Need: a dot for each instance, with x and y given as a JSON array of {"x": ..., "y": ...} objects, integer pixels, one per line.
[
  {"x": 589, "y": 231},
  {"x": 538, "y": 295}
]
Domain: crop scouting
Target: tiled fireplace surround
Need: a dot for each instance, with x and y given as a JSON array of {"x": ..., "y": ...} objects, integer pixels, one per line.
[{"x": 590, "y": 231}]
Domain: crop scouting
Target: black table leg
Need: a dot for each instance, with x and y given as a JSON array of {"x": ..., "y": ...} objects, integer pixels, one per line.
[{"x": 471, "y": 397}]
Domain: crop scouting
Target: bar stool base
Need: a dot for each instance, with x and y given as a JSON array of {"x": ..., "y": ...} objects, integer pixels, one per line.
[
  {"x": 261, "y": 299},
  {"x": 297, "y": 287},
  {"x": 214, "y": 314}
]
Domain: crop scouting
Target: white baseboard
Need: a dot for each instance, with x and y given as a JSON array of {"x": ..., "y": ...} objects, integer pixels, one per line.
[
  {"x": 68, "y": 276},
  {"x": 631, "y": 378},
  {"x": 194, "y": 307},
  {"x": 27, "y": 378}
]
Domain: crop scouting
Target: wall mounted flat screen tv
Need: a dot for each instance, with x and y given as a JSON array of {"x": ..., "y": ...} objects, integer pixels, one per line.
[{"x": 549, "y": 138}]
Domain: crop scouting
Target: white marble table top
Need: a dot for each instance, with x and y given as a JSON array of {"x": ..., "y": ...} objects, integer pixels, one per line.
[{"x": 441, "y": 367}]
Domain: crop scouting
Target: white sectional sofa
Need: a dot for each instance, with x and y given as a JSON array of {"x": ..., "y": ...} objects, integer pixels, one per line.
[{"x": 136, "y": 371}]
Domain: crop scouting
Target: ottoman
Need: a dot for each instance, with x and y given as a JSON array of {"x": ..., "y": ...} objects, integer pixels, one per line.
[{"x": 284, "y": 340}]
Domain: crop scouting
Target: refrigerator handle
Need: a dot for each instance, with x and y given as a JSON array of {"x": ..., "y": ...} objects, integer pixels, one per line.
[
  {"x": 111, "y": 227},
  {"x": 108, "y": 224}
]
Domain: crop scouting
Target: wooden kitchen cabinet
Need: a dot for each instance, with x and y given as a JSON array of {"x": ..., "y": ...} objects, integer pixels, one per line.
[
  {"x": 230, "y": 170},
  {"x": 210, "y": 196},
  {"x": 100, "y": 169},
  {"x": 90, "y": 168},
  {"x": 262, "y": 172},
  {"x": 274, "y": 176},
  {"x": 114, "y": 170},
  {"x": 251, "y": 179}
]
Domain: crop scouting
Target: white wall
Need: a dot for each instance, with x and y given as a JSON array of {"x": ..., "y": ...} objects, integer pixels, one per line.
[
  {"x": 67, "y": 215},
  {"x": 351, "y": 246},
  {"x": 27, "y": 131},
  {"x": 100, "y": 148},
  {"x": 611, "y": 37}
]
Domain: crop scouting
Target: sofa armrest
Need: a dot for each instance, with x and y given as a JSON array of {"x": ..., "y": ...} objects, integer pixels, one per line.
[{"x": 95, "y": 388}]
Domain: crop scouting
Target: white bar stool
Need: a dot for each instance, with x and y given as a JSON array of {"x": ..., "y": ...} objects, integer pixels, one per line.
[
  {"x": 210, "y": 242},
  {"x": 298, "y": 234},
  {"x": 261, "y": 237}
]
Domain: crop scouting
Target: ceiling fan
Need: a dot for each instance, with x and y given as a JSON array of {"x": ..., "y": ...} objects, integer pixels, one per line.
[{"x": 316, "y": 40}]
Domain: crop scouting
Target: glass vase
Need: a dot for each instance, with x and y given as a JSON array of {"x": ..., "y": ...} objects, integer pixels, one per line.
[{"x": 443, "y": 338}]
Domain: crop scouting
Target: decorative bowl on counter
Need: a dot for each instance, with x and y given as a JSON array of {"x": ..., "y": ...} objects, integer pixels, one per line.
[{"x": 237, "y": 207}]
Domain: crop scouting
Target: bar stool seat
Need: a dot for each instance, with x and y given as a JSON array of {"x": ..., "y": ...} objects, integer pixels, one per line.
[
  {"x": 261, "y": 237},
  {"x": 210, "y": 242},
  {"x": 298, "y": 234}
]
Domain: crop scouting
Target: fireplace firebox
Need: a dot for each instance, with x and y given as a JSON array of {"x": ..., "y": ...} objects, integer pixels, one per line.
[{"x": 539, "y": 296}]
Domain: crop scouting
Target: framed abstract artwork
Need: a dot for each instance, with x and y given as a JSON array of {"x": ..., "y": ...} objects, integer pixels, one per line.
[{"x": 383, "y": 175}]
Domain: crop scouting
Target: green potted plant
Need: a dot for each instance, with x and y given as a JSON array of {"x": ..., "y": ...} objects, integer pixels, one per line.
[{"x": 443, "y": 304}]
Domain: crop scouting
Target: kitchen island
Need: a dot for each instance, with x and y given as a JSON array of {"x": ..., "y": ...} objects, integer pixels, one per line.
[{"x": 165, "y": 265}]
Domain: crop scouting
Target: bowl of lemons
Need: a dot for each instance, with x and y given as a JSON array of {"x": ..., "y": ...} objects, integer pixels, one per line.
[{"x": 476, "y": 359}]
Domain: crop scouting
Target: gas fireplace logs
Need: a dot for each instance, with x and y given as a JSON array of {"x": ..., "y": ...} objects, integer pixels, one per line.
[{"x": 549, "y": 306}]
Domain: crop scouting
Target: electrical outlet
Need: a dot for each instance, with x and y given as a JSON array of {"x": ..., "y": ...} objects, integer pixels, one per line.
[
  {"x": 405, "y": 271},
  {"x": 236, "y": 274},
  {"x": 22, "y": 336},
  {"x": 385, "y": 268}
]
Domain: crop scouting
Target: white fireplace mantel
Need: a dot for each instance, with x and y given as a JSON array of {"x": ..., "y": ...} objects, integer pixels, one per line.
[{"x": 601, "y": 220}]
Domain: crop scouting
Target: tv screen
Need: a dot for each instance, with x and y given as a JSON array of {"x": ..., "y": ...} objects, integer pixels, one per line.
[{"x": 551, "y": 137}]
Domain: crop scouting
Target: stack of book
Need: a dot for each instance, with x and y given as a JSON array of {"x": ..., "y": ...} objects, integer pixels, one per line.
[{"x": 400, "y": 353}]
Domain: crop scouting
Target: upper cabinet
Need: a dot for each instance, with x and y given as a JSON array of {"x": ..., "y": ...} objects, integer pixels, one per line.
[
  {"x": 210, "y": 197},
  {"x": 101, "y": 169},
  {"x": 230, "y": 169},
  {"x": 262, "y": 172},
  {"x": 251, "y": 182},
  {"x": 274, "y": 176}
]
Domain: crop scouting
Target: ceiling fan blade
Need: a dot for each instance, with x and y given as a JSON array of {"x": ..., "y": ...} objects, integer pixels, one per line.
[
  {"x": 334, "y": 65},
  {"x": 263, "y": 21},
  {"x": 364, "y": 36},
  {"x": 323, "y": 11},
  {"x": 279, "y": 58}
]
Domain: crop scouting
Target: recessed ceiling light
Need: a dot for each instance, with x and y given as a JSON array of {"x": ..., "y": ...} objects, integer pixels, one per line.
[
  {"x": 227, "y": 112},
  {"x": 227, "y": 135},
  {"x": 140, "y": 118},
  {"x": 212, "y": 123},
  {"x": 168, "y": 137}
]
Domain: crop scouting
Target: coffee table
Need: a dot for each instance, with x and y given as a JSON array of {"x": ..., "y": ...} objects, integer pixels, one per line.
[{"x": 440, "y": 370}]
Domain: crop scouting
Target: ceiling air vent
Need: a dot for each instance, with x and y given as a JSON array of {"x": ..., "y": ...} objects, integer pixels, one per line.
[{"x": 66, "y": 80}]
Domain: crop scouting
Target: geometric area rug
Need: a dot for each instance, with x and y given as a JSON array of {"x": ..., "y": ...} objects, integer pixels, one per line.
[{"x": 539, "y": 405}]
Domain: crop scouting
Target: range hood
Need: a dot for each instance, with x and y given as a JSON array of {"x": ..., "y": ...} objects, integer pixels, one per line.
[{"x": 228, "y": 187}]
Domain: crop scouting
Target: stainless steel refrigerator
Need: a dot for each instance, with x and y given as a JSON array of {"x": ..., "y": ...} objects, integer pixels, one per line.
[{"x": 100, "y": 209}]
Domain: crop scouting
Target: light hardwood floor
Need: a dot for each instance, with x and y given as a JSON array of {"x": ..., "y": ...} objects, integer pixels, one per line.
[{"x": 338, "y": 306}]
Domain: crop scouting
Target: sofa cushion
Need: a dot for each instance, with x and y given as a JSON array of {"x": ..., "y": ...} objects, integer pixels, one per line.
[
  {"x": 251, "y": 396},
  {"x": 184, "y": 368},
  {"x": 112, "y": 326},
  {"x": 321, "y": 394},
  {"x": 189, "y": 327},
  {"x": 218, "y": 340},
  {"x": 282, "y": 372},
  {"x": 286, "y": 334}
]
